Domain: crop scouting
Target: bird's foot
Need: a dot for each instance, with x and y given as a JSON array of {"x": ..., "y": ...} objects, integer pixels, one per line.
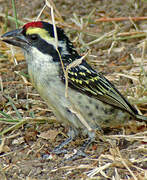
[
  {"x": 58, "y": 151},
  {"x": 78, "y": 154}
]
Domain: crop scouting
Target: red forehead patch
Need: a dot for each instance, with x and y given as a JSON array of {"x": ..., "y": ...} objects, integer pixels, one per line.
[{"x": 33, "y": 24}]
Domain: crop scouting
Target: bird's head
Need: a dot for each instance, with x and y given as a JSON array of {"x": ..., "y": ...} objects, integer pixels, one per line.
[{"x": 40, "y": 35}]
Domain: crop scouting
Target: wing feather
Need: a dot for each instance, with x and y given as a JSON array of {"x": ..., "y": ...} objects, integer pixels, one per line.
[{"x": 83, "y": 78}]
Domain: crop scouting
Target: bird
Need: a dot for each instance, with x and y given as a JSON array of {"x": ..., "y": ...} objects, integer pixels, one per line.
[{"x": 54, "y": 67}]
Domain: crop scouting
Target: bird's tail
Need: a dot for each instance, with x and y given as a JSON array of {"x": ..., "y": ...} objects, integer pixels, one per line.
[{"x": 141, "y": 118}]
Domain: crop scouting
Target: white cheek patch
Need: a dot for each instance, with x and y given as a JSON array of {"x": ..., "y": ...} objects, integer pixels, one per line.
[
  {"x": 40, "y": 56},
  {"x": 62, "y": 45}
]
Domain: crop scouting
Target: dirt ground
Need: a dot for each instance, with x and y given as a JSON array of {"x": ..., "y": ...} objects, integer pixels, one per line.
[{"x": 29, "y": 129}]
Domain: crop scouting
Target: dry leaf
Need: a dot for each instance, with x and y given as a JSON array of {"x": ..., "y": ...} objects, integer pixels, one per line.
[{"x": 50, "y": 134}]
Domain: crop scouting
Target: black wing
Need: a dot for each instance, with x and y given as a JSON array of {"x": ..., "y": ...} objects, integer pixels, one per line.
[{"x": 83, "y": 78}]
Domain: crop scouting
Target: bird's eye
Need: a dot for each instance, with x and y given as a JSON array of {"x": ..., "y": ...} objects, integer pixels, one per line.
[{"x": 33, "y": 37}]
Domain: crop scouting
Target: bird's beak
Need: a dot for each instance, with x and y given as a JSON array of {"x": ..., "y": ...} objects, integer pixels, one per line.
[{"x": 15, "y": 38}]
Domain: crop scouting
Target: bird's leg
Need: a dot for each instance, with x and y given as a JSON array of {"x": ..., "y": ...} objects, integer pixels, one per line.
[
  {"x": 81, "y": 152},
  {"x": 58, "y": 150},
  {"x": 86, "y": 144}
]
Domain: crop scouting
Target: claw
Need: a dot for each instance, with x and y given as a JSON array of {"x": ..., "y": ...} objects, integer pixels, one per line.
[
  {"x": 58, "y": 149},
  {"x": 77, "y": 155},
  {"x": 81, "y": 152}
]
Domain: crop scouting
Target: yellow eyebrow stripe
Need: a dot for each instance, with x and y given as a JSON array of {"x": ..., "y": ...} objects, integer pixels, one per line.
[{"x": 42, "y": 33}]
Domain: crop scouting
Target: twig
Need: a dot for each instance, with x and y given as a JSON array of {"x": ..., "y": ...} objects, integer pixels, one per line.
[
  {"x": 121, "y": 19},
  {"x": 126, "y": 166},
  {"x": 15, "y": 13}
]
